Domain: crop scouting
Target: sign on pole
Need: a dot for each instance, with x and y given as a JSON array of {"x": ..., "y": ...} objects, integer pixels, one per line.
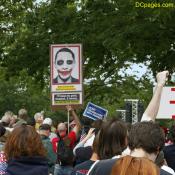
[
  {"x": 95, "y": 112},
  {"x": 66, "y": 75},
  {"x": 167, "y": 104}
]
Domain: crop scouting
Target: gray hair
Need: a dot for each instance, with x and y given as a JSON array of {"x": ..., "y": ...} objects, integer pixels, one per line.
[{"x": 22, "y": 113}]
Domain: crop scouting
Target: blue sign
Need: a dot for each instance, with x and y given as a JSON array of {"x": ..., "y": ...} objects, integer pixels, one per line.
[{"x": 95, "y": 112}]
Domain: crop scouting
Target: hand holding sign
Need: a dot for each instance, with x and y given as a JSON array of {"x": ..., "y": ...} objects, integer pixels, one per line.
[{"x": 69, "y": 108}]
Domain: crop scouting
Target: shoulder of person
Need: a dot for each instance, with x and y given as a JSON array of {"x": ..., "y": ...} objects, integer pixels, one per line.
[
  {"x": 103, "y": 167},
  {"x": 163, "y": 172},
  {"x": 169, "y": 148}
]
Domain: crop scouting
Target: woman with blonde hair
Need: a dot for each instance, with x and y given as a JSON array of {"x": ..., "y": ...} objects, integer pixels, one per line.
[
  {"x": 25, "y": 152},
  {"x": 129, "y": 165}
]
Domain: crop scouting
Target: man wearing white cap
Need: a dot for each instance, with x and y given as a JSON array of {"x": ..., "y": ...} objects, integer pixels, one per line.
[{"x": 49, "y": 122}]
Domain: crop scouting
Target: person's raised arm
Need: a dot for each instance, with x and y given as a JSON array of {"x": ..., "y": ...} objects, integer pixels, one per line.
[
  {"x": 77, "y": 127},
  {"x": 153, "y": 107}
]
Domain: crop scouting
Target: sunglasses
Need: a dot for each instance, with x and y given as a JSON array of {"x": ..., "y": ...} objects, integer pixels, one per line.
[{"x": 61, "y": 62}]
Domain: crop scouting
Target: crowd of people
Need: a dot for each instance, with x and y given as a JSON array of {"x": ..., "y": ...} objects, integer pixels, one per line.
[{"x": 33, "y": 146}]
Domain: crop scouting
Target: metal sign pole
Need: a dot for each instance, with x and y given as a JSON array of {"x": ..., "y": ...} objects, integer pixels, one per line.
[{"x": 68, "y": 116}]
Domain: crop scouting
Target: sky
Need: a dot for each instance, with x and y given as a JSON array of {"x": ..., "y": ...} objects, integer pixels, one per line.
[{"x": 138, "y": 70}]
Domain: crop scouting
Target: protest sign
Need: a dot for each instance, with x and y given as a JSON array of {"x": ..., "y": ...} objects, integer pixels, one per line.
[
  {"x": 95, "y": 112},
  {"x": 167, "y": 104},
  {"x": 66, "y": 75}
]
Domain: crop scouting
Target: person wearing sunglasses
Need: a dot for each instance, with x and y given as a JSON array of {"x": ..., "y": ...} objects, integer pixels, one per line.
[{"x": 64, "y": 64}]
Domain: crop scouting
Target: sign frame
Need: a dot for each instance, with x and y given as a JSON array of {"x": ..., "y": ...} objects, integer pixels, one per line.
[{"x": 71, "y": 86}]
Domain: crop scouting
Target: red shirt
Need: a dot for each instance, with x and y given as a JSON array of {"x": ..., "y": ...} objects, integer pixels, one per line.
[{"x": 71, "y": 136}]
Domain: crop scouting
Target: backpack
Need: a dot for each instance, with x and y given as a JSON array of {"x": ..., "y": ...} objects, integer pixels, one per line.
[{"x": 64, "y": 152}]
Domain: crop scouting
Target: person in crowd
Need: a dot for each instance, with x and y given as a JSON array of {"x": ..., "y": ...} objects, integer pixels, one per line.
[
  {"x": 83, "y": 168},
  {"x": 44, "y": 131},
  {"x": 4, "y": 133},
  {"x": 140, "y": 146},
  {"x": 65, "y": 158},
  {"x": 31, "y": 121},
  {"x": 153, "y": 106},
  {"x": 146, "y": 139},
  {"x": 161, "y": 163},
  {"x": 7, "y": 120},
  {"x": 169, "y": 151},
  {"x": 64, "y": 64},
  {"x": 83, "y": 150},
  {"x": 13, "y": 121},
  {"x": 52, "y": 132},
  {"x": 84, "y": 153},
  {"x": 86, "y": 125},
  {"x": 112, "y": 141},
  {"x": 62, "y": 131},
  {"x": 116, "y": 132},
  {"x": 68, "y": 139},
  {"x": 38, "y": 120},
  {"x": 22, "y": 117},
  {"x": 25, "y": 152}
]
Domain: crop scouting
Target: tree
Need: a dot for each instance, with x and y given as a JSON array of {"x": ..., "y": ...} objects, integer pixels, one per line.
[{"x": 113, "y": 33}]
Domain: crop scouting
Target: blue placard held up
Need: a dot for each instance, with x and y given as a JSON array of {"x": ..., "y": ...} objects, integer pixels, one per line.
[{"x": 95, "y": 112}]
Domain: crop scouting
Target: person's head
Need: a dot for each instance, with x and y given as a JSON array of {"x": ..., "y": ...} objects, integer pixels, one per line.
[
  {"x": 31, "y": 121},
  {"x": 113, "y": 139},
  {"x": 62, "y": 130},
  {"x": 9, "y": 113},
  {"x": 48, "y": 121},
  {"x": 2, "y": 130},
  {"x": 64, "y": 63},
  {"x": 128, "y": 165},
  {"x": 4, "y": 134},
  {"x": 13, "y": 120},
  {"x": 97, "y": 124},
  {"x": 6, "y": 120},
  {"x": 45, "y": 130},
  {"x": 147, "y": 136},
  {"x": 22, "y": 114},
  {"x": 38, "y": 117},
  {"x": 24, "y": 141},
  {"x": 172, "y": 133},
  {"x": 85, "y": 121}
]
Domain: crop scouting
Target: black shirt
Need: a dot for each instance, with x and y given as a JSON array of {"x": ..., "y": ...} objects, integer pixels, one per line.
[
  {"x": 169, "y": 154},
  {"x": 82, "y": 168}
]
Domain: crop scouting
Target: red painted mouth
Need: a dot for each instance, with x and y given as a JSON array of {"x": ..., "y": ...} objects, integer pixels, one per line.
[{"x": 64, "y": 73}]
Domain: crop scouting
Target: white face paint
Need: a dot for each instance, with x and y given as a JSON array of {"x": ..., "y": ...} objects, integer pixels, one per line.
[{"x": 64, "y": 64}]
